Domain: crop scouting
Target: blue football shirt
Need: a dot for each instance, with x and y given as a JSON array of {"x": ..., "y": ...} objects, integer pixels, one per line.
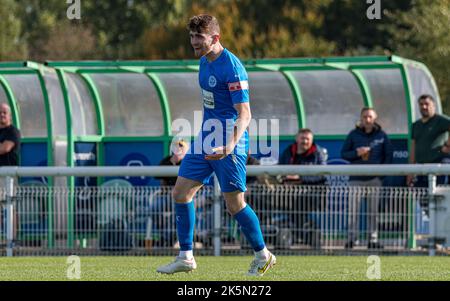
[{"x": 223, "y": 83}]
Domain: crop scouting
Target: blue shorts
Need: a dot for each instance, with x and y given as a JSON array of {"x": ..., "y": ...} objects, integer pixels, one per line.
[{"x": 230, "y": 171}]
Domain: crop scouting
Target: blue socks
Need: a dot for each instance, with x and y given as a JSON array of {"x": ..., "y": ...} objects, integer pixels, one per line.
[
  {"x": 249, "y": 223},
  {"x": 246, "y": 218},
  {"x": 185, "y": 220}
]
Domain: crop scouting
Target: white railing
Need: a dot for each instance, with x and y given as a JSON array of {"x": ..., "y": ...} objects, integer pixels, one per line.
[{"x": 162, "y": 171}]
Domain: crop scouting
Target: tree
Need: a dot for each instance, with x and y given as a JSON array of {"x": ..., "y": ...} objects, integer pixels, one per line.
[
  {"x": 119, "y": 24},
  {"x": 423, "y": 34},
  {"x": 69, "y": 41},
  {"x": 346, "y": 24},
  {"x": 38, "y": 19},
  {"x": 12, "y": 46},
  {"x": 116, "y": 25},
  {"x": 251, "y": 29}
]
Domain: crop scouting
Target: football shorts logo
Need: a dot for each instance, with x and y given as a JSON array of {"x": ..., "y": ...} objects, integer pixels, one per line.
[
  {"x": 212, "y": 81},
  {"x": 234, "y": 184}
]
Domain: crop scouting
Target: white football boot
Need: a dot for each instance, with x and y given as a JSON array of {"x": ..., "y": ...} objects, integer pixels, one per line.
[
  {"x": 178, "y": 265},
  {"x": 259, "y": 267}
]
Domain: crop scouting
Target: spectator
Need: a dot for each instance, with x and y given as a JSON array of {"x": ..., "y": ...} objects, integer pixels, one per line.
[
  {"x": 366, "y": 144},
  {"x": 251, "y": 161},
  {"x": 178, "y": 150},
  {"x": 260, "y": 179},
  {"x": 430, "y": 142},
  {"x": 305, "y": 152},
  {"x": 261, "y": 195},
  {"x": 9, "y": 149},
  {"x": 162, "y": 211},
  {"x": 9, "y": 138}
]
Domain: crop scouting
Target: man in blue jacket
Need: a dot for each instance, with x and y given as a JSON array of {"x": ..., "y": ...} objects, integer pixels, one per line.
[{"x": 366, "y": 144}]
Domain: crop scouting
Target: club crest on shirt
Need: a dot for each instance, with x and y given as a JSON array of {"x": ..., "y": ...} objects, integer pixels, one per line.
[{"x": 212, "y": 81}]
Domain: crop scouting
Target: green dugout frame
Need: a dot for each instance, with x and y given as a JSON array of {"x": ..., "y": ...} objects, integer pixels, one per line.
[{"x": 284, "y": 66}]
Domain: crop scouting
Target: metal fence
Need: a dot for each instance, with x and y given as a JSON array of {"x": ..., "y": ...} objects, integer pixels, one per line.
[{"x": 295, "y": 219}]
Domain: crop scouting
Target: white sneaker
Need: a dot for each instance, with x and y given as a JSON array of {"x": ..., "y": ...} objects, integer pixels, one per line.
[
  {"x": 259, "y": 267},
  {"x": 178, "y": 265}
]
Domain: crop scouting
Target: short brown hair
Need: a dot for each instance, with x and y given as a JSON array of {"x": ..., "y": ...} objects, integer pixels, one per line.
[
  {"x": 204, "y": 24},
  {"x": 368, "y": 109},
  {"x": 426, "y": 96},
  {"x": 305, "y": 131}
]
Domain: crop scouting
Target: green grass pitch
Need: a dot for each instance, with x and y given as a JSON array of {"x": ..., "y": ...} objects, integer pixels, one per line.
[{"x": 226, "y": 268}]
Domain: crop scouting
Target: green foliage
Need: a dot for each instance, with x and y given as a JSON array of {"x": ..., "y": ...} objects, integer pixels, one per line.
[
  {"x": 141, "y": 29},
  {"x": 115, "y": 26},
  {"x": 119, "y": 24},
  {"x": 423, "y": 34},
  {"x": 69, "y": 41},
  {"x": 284, "y": 30},
  {"x": 12, "y": 46},
  {"x": 346, "y": 23},
  {"x": 38, "y": 18}
]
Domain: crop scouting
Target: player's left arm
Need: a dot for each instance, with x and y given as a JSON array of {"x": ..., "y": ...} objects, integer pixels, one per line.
[{"x": 242, "y": 122}]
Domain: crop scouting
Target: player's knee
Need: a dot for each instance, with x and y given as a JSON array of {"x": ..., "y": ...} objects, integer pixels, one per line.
[
  {"x": 234, "y": 207},
  {"x": 235, "y": 202},
  {"x": 176, "y": 193},
  {"x": 179, "y": 195}
]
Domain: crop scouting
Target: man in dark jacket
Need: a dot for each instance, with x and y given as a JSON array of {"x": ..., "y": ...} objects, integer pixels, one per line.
[
  {"x": 430, "y": 140},
  {"x": 430, "y": 143},
  {"x": 305, "y": 152},
  {"x": 9, "y": 138},
  {"x": 9, "y": 151},
  {"x": 366, "y": 144}
]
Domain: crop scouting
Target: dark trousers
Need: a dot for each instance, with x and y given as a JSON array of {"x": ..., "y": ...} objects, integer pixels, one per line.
[{"x": 422, "y": 181}]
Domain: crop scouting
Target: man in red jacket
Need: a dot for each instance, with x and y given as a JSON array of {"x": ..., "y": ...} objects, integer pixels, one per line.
[{"x": 300, "y": 208}]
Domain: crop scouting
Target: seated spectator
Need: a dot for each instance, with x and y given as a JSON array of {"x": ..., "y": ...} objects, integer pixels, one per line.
[
  {"x": 163, "y": 210},
  {"x": 259, "y": 196},
  {"x": 260, "y": 179},
  {"x": 305, "y": 152},
  {"x": 266, "y": 183},
  {"x": 251, "y": 161},
  {"x": 178, "y": 150},
  {"x": 162, "y": 207}
]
